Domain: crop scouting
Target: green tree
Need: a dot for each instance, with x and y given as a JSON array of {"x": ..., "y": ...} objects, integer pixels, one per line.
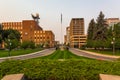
[
  {"x": 109, "y": 37},
  {"x": 1, "y": 35},
  {"x": 90, "y": 32},
  {"x": 116, "y": 34},
  {"x": 11, "y": 36},
  {"x": 91, "y": 29},
  {"x": 100, "y": 34},
  {"x": 12, "y": 44}
]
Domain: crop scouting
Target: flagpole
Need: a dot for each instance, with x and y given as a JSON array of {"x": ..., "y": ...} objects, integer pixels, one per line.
[
  {"x": 62, "y": 48},
  {"x": 61, "y": 30}
]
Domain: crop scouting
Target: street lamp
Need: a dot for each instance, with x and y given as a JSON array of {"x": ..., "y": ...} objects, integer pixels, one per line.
[
  {"x": 113, "y": 43},
  {"x": 9, "y": 46},
  {"x": 113, "y": 40}
]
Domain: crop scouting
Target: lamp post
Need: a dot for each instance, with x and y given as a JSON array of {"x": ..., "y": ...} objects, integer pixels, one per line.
[
  {"x": 113, "y": 40},
  {"x": 9, "y": 46}
]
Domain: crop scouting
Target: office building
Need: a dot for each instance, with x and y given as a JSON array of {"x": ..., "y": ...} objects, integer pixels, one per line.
[
  {"x": 31, "y": 31},
  {"x": 112, "y": 21},
  {"x": 77, "y": 35}
]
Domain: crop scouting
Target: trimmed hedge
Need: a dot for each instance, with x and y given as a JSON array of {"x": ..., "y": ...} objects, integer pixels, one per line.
[{"x": 40, "y": 69}]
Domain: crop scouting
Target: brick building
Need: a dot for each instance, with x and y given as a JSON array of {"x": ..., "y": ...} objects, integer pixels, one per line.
[{"x": 31, "y": 31}]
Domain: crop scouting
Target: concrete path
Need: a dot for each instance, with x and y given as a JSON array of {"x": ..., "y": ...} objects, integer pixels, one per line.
[
  {"x": 93, "y": 55},
  {"x": 29, "y": 56}
]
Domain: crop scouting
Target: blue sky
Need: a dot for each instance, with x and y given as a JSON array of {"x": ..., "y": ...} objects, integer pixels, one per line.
[{"x": 50, "y": 10}]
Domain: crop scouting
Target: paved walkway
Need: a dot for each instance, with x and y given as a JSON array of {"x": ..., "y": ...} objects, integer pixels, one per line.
[
  {"x": 29, "y": 56},
  {"x": 93, "y": 55}
]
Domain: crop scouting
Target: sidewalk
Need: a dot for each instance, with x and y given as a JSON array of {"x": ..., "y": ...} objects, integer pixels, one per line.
[
  {"x": 22, "y": 55},
  {"x": 29, "y": 56},
  {"x": 98, "y": 54}
]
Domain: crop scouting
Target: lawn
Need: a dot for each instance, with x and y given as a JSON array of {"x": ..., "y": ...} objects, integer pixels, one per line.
[
  {"x": 65, "y": 54},
  {"x": 5, "y": 53},
  {"x": 107, "y": 51}
]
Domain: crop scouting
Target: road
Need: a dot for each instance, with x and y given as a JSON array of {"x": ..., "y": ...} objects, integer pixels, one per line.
[
  {"x": 29, "y": 56},
  {"x": 94, "y": 56}
]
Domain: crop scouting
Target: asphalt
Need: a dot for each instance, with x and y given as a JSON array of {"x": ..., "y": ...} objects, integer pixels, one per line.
[
  {"x": 29, "y": 56},
  {"x": 93, "y": 55}
]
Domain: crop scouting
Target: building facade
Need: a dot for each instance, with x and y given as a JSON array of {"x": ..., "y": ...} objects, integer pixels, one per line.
[
  {"x": 77, "y": 35},
  {"x": 45, "y": 37},
  {"x": 31, "y": 31},
  {"x": 67, "y": 35},
  {"x": 112, "y": 21},
  {"x": 65, "y": 39}
]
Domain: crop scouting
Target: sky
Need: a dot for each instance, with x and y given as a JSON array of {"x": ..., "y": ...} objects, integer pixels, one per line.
[{"x": 50, "y": 12}]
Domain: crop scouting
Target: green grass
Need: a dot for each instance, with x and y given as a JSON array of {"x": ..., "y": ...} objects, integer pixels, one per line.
[
  {"x": 44, "y": 69},
  {"x": 65, "y": 54},
  {"x": 50, "y": 68},
  {"x": 5, "y": 53},
  {"x": 107, "y": 51}
]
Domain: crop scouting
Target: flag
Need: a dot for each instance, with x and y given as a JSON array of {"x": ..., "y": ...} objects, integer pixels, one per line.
[{"x": 61, "y": 18}]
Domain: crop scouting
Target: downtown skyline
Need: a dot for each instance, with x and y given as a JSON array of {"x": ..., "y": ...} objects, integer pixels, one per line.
[{"x": 50, "y": 12}]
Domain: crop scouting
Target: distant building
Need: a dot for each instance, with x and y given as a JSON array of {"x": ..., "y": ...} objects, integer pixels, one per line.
[
  {"x": 67, "y": 35},
  {"x": 31, "y": 31},
  {"x": 65, "y": 39},
  {"x": 76, "y": 36},
  {"x": 112, "y": 21}
]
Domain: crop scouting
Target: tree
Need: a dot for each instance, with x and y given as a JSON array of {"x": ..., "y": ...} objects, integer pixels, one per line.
[
  {"x": 12, "y": 44},
  {"x": 90, "y": 32},
  {"x": 91, "y": 29},
  {"x": 100, "y": 34},
  {"x": 1, "y": 35},
  {"x": 13, "y": 36},
  {"x": 116, "y": 34}
]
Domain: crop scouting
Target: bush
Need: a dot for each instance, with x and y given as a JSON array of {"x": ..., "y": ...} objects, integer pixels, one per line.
[
  {"x": 32, "y": 45},
  {"x": 83, "y": 47},
  {"x": 28, "y": 44},
  {"x": 25, "y": 45},
  {"x": 38, "y": 69}
]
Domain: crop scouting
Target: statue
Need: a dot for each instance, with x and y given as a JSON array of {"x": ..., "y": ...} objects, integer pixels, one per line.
[{"x": 36, "y": 17}]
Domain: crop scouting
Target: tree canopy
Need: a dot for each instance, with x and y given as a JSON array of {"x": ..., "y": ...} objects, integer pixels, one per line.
[{"x": 97, "y": 32}]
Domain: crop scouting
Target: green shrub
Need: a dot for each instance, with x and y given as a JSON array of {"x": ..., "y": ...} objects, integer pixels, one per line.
[
  {"x": 83, "y": 47},
  {"x": 37, "y": 69},
  {"x": 28, "y": 44},
  {"x": 32, "y": 45}
]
